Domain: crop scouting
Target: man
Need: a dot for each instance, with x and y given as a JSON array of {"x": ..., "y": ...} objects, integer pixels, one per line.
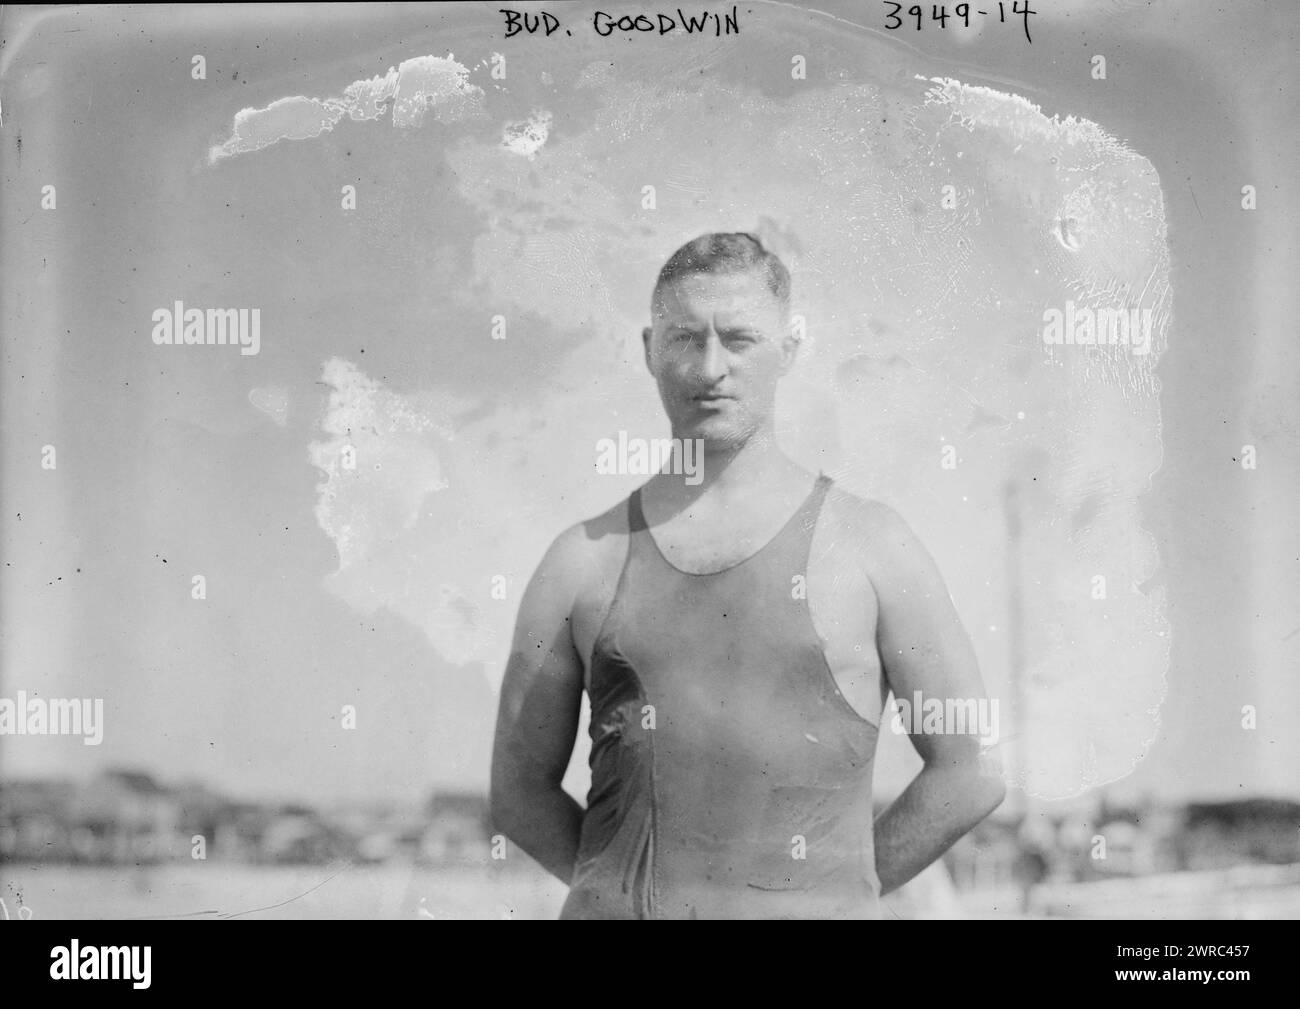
[{"x": 737, "y": 637}]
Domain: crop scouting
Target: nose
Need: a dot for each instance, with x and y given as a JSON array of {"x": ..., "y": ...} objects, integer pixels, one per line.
[{"x": 713, "y": 359}]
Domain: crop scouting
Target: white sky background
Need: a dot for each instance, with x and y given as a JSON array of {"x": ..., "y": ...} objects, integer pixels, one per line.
[{"x": 522, "y": 198}]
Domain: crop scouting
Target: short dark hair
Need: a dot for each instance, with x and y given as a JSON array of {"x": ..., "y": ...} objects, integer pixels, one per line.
[{"x": 727, "y": 252}]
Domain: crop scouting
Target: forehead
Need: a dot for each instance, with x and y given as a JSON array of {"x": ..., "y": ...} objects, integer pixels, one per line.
[{"x": 699, "y": 297}]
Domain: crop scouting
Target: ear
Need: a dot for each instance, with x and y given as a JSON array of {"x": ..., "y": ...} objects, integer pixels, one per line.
[{"x": 646, "y": 334}]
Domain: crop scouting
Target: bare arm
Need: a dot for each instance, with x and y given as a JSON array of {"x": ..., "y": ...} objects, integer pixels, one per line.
[
  {"x": 538, "y": 717},
  {"x": 924, "y": 648}
]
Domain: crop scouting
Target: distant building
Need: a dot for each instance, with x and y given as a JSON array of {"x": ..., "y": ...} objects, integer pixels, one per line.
[
  {"x": 297, "y": 834},
  {"x": 126, "y": 816},
  {"x": 1221, "y": 834},
  {"x": 33, "y": 820}
]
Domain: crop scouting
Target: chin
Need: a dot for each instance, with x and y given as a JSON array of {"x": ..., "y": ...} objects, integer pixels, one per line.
[
  {"x": 719, "y": 434},
  {"x": 722, "y": 428}
]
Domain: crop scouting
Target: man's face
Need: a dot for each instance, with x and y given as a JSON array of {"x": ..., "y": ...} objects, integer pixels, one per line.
[{"x": 717, "y": 347}]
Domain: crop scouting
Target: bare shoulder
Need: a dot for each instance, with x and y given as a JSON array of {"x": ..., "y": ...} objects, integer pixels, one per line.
[
  {"x": 871, "y": 531},
  {"x": 585, "y": 562},
  {"x": 893, "y": 557},
  {"x": 582, "y": 556}
]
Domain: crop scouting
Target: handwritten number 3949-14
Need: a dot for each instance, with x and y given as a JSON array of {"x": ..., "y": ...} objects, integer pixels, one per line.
[{"x": 939, "y": 13}]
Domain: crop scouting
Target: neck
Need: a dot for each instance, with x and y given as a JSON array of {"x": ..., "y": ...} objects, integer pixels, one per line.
[{"x": 733, "y": 468}]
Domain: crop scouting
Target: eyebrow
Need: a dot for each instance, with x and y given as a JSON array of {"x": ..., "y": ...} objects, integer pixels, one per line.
[{"x": 739, "y": 329}]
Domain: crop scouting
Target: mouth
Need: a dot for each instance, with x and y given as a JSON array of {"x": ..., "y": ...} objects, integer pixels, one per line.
[{"x": 710, "y": 399}]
